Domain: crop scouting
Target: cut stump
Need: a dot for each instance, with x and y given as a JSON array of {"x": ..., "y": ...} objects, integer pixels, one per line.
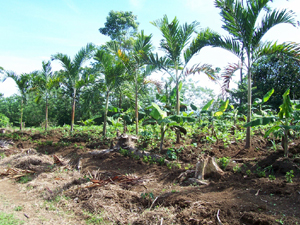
[{"x": 207, "y": 167}]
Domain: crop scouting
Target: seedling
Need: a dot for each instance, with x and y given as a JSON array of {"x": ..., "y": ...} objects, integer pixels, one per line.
[{"x": 289, "y": 176}]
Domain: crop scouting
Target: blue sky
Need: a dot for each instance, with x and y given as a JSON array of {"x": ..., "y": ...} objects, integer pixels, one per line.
[{"x": 33, "y": 30}]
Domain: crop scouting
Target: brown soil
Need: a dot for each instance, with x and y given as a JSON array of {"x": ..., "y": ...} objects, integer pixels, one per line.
[{"x": 113, "y": 189}]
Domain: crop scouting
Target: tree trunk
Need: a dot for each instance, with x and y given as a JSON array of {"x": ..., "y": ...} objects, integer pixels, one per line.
[
  {"x": 46, "y": 117},
  {"x": 136, "y": 106},
  {"x": 73, "y": 110},
  {"x": 21, "y": 119},
  {"x": 105, "y": 114},
  {"x": 177, "y": 105},
  {"x": 162, "y": 137},
  {"x": 248, "y": 134}
]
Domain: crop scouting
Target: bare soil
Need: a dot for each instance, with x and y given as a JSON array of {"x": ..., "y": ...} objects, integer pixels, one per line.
[{"x": 113, "y": 189}]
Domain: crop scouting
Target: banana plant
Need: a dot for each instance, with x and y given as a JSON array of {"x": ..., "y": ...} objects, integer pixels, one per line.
[
  {"x": 285, "y": 121},
  {"x": 259, "y": 102},
  {"x": 161, "y": 118},
  {"x": 212, "y": 114}
]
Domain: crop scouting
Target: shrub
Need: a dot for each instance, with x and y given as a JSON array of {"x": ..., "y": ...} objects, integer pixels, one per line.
[{"x": 223, "y": 162}]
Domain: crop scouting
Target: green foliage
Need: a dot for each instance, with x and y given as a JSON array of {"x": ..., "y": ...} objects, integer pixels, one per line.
[
  {"x": 248, "y": 172},
  {"x": 223, "y": 162},
  {"x": 171, "y": 154},
  {"x": 282, "y": 122},
  {"x": 289, "y": 176},
  {"x": 119, "y": 24},
  {"x": 260, "y": 172},
  {"x": 161, "y": 161},
  {"x": 237, "y": 169},
  {"x": 25, "y": 179},
  {"x": 124, "y": 152},
  {"x": 9, "y": 219},
  {"x": 147, "y": 195},
  {"x": 272, "y": 177},
  {"x": 4, "y": 121}
]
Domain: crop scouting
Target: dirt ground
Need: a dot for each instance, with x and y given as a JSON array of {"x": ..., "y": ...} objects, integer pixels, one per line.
[{"x": 78, "y": 187}]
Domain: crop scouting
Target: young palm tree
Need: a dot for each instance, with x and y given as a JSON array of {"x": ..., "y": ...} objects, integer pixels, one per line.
[
  {"x": 247, "y": 26},
  {"x": 23, "y": 83},
  {"x": 43, "y": 84},
  {"x": 179, "y": 49},
  {"x": 134, "y": 61},
  {"x": 112, "y": 70},
  {"x": 74, "y": 78}
]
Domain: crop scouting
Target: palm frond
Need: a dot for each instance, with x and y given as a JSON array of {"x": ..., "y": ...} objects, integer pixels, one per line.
[
  {"x": 204, "y": 68},
  {"x": 158, "y": 84},
  {"x": 270, "y": 20},
  {"x": 289, "y": 49},
  {"x": 206, "y": 37},
  {"x": 227, "y": 75}
]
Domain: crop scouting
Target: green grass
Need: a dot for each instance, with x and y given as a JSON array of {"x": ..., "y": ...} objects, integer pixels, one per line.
[{"x": 8, "y": 219}]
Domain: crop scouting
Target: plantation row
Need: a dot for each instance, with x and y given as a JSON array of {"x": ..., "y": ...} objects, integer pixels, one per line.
[{"x": 110, "y": 84}]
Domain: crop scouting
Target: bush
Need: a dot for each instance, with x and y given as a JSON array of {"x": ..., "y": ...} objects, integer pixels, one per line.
[
  {"x": 4, "y": 120},
  {"x": 223, "y": 162}
]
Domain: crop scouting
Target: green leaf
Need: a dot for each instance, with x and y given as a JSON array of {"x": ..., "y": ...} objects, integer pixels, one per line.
[
  {"x": 194, "y": 107},
  {"x": 272, "y": 129},
  {"x": 260, "y": 121},
  {"x": 157, "y": 113},
  {"x": 222, "y": 108},
  {"x": 257, "y": 101},
  {"x": 206, "y": 107},
  {"x": 267, "y": 96},
  {"x": 286, "y": 107}
]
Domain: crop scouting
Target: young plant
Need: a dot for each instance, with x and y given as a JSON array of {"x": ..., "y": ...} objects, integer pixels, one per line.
[
  {"x": 282, "y": 122},
  {"x": 167, "y": 122},
  {"x": 289, "y": 176},
  {"x": 223, "y": 162}
]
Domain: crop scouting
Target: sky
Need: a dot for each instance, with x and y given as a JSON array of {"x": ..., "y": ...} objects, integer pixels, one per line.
[{"x": 33, "y": 30}]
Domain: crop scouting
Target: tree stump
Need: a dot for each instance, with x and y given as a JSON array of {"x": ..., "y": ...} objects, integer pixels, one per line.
[
  {"x": 126, "y": 142},
  {"x": 207, "y": 167}
]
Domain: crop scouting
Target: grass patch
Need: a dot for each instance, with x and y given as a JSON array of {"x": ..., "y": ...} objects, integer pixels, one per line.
[{"x": 9, "y": 219}]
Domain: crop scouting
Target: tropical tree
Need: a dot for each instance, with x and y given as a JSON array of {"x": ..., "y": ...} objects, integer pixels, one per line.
[
  {"x": 179, "y": 51},
  {"x": 43, "y": 84},
  {"x": 247, "y": 25},
  {"x": 74, "y": 73},
  {"x": 135, "y": 61},
  {"x": 119, "y": 24},
  {"x": 112, "y": 70},
  {"x": 23, "y": 83}
]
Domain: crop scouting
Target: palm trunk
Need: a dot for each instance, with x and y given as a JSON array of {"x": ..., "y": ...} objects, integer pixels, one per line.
[
  {"x": 46, "y": 117},
  {"x": 136, "y": 106},
  {"x": 73, "y": 110},
  {"x": 21, "y": 119},
  {"x": 177, "y": 104},
  {"x": 248, "y": 134},
  {"x": 105, "y": 114}
]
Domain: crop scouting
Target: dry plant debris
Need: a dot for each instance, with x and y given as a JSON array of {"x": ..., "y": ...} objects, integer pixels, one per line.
[{"x": 15, "y": 173}]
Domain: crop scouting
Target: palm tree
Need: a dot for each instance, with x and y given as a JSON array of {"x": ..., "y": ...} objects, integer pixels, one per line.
[
  {"x": 43, "y": 85},
  {"x": 179, "y": 51},
  {"x": 247, "y": 26},
  {"x": 74, "y": 76},
  {"x": 23, "y": 83},
  {"x": 134, "y": 61},
  {"x": 112, "y": 70}
]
